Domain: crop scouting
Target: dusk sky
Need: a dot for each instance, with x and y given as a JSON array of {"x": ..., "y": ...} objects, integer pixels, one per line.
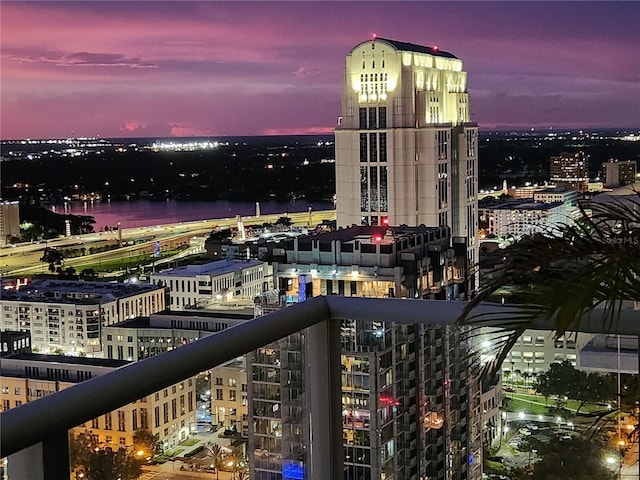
[{"x": 157, "y": 69}]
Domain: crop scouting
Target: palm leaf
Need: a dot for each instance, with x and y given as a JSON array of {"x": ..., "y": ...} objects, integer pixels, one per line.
[{"x": 563, "y": 274}]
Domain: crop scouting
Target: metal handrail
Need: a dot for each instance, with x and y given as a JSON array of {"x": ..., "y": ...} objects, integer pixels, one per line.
[
  {"x": 35, "y": 421},
  {"x": 32, "y": 422}
]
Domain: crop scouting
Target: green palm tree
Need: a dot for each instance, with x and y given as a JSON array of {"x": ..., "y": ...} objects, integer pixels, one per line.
[
  {"x": 563, "y": 274},
  {"x": 217, "y": 457}
]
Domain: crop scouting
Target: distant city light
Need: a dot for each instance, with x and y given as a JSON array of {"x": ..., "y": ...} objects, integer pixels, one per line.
[{"x": 184, "y": 146}]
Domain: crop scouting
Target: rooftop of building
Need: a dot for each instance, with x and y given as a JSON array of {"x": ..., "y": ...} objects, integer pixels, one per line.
[
  {"x": 68, "y": 360},
  {"x": 556, "y": 190},
  {"x": 412, "y": 47},
  {"x": 628, "y": 193},
  {"x": 147, "y": 322},
  {"x": 519, "y": 204},
  {"x": 45, "y": 290},
  {"x": 7, "y": 335},
  {"x": 615, "y": 160},
  {"x": 219, "y": 267},
  {"x": 202, "y": 314},
  {"x": 356, "y": 232}
]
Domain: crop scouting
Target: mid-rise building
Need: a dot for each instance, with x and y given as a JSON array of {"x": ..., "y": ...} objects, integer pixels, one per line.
[
  {"x": 570, "y": 171},
  {"x": 619, "y": 173},
  {"x": 229, "y": 401},
  {"x": 168, "y": 413},
  {"x": 536, "y": 350},
  {"x": 518, "y": 218},
  {"x": 410, "y": 402},
  {"x": 9, "y": 221},
  {"x": 402, "y": 262},
  {"x": 197, "y": 286},
  {"x": 525, "y": 191},
  {"x": 406, "y": 151},
  {"x": 556, "y": 195},
  {"x": 68, "y": 316},
  {"x": 143, "y": 337}
]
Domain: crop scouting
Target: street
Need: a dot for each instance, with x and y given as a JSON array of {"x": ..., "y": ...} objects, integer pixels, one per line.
[{"x": 24, "y": 259}]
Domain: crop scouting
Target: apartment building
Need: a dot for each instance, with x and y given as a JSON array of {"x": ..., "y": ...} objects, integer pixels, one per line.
[
  {"x": 198, "y": 286},
  {"x": 406, "y": 150},
  {"x": 410, "y": 402},
  {"x": 68, "y": 316},
  {"x": 169, "y": 413},
  {"x": 144, "y": 337}
]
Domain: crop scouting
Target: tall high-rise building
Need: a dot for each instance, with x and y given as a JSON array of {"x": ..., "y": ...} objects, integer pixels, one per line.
[
  {"x": 570, "y": 170},
  {"x": 410, "y": 398},
  {"x": 406, "y": 152},
  {"x": 619, "y": 174}
]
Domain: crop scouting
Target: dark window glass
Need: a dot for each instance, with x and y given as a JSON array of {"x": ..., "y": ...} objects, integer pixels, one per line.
[
  {"x": 373, "y": 189},
  {"x": 364, "y": 192},
  {"x": 383, "y": 189},
  {"x": 382, "y": 117},
  {"x": 363, "y": 147},
  {"x": 372, "y": 118},
  {"x": 368, "y": 248},
  {"x": 373, "y": 150},
  {"x": 383, "y": 147},
  {"x": 363, "y": 118}
]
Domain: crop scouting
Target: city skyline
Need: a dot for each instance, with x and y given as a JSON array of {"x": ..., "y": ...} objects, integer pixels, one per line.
[{"x": 174, "y": 68}]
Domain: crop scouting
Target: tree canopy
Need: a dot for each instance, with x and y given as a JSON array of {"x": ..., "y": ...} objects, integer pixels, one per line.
[
  {"x": 571, "y": 459},
  {"x": 565, "y": 273},
  {"x": 53, "y": 257},
  {"x": 562, "y": 379},
  {"x": 102, "y": 463}
]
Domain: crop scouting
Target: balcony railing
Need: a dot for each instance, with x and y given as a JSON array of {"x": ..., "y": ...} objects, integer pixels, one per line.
[{"x": 35, "y": 434}]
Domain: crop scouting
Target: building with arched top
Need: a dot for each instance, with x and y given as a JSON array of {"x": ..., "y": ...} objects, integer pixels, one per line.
[{"x": 406, "y": 151}]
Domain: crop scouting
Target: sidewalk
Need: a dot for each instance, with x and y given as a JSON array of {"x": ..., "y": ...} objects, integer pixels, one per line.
[
  {"x": 182, "y": 461},
  {"x": 203, "y": 438},
  {"x": 173, "y": 467}
]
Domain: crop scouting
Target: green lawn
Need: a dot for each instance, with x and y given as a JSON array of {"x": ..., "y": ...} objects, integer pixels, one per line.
[
  {"x": 125, "y": 262},
  {"x": 173, "y": 453},
  {"x": 518, "y": 405},
  {"x": 570, "y": 404},
  {"x": 190, "y": 442}
]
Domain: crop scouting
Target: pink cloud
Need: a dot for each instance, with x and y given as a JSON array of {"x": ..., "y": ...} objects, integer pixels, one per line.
[
  {"x": 234, "y": 68},
  {"x": 303, "y": 72},
  {"x": 299, "y": 131},
  {"x": 82, "y": 59},
  {"x": 133, "y": 126},
  {"x": 179, "y": 130}
]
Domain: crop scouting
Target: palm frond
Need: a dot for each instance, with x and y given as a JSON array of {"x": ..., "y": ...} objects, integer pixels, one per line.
[{"x": 563, "y": 274}]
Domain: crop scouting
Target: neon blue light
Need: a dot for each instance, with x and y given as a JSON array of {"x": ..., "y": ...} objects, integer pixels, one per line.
[{"x": 293, "y": 471}]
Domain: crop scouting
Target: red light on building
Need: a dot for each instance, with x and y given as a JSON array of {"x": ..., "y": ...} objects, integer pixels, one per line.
[
  {"x": 435, "y": 47},
  {"x": 377, "y": 238},
  {"x": 384, "y": 220}
]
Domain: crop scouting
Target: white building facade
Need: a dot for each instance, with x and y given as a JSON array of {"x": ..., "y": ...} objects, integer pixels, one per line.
[
  {"x": 197, "y": 286},
  {"x": 406, "y": 152},
  {"x": 68, "y": 316},
  {"x": 167, "y": 413},
  {"x": 536, "y": 350},
  {"x": 517, "y": 219}
]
